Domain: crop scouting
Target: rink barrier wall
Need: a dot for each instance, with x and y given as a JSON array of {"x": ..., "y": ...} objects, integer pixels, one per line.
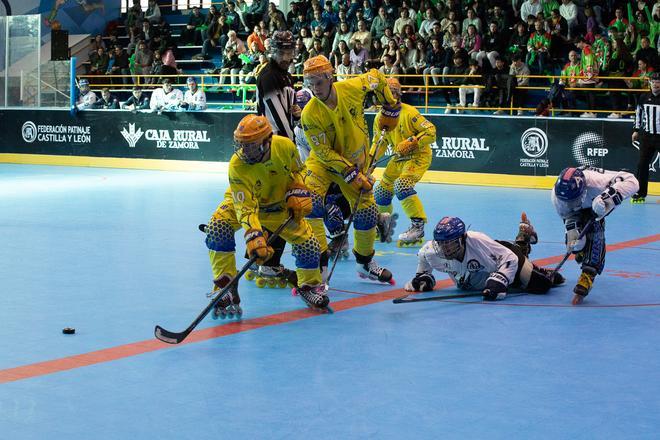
[{"x": 524, "y": 152}]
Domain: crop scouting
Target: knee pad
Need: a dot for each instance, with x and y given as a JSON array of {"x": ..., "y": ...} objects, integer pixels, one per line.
[
  {"x": 594, "y": 251},
  {"x": 318, "y": 209},
  {"x": 220, "y": 236},
  {"x": 383, "y": 196},
  {"x": 404, "y": 187},
  {"x": 333, "y": 219},
  {"x": 366, "y": 218},
  {"x": 307, "y": 254}
]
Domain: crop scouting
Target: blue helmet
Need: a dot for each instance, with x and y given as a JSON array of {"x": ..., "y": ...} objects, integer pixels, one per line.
[
  {"x": 570, "y": 185},
  {"x": 449, "y": 228}
]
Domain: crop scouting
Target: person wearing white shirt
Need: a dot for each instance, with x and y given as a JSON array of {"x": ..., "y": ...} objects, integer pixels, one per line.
[
  {"x": 86, "y": 97},
  {"x": 195, "y": 98},
  {"x": 166, "y": 98},
  {"x": 530, "y": 7},
  {"x": 569, "y": 11}
]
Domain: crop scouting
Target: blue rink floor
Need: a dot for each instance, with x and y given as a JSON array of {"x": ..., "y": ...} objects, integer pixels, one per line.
[{"x": 115, "y": 252}]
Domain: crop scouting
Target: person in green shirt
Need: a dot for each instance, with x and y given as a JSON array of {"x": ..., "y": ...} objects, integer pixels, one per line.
[{"x": 538, "y": 46}]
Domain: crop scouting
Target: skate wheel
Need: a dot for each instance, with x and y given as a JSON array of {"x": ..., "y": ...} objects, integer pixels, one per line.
[
  {"x": 250, "y": 275},
  {"x": 260, "y": 282},
  {"x": 282, "y": 283},
  {"x": 214, "y": 314},
  {"x": 271, "y": 283}
]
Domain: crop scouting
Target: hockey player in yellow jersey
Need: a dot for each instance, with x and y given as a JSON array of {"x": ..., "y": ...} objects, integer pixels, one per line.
[
  {"x": 266, "y": 187},
  {"x": 335, "y": 128},
  {"x": 410, "y": 138}
]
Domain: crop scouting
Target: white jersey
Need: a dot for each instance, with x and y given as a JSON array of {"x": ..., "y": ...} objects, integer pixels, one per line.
[
  {"x": 195, "y": 101},
  {"x": 483, "y": 256},
  {"x": 301, "y": 143},
  {"x": 166, "y": 101},
  {"x": 598, "y": 180},
  {"x": 85, "y": 101}
]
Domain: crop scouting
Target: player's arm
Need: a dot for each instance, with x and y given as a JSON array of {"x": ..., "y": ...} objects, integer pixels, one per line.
[
  {"x": 616, "y": 186},
  {"x": 373, "y": 81},
  {"x": 423, "y": 128},
  {"x": 382, "y": 147},
  {"x": 423, "y": 281},
  {"x": 498, "y": 281}
]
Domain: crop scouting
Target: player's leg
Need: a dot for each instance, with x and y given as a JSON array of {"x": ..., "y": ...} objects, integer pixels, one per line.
[
  {"x": 404, "y": 189},
  {"x": 222, "y": 254},
  {"x": 364, "y": 233},
  {"x": 530, "y": 277},
  {"x": 307, "y": 253},
  {"x": 383, "y": 194},
  {"x": 592, "y": 260},
  {"x": 526, "y": 234},
  {"x": 317, "y": 180},
  {"x": 336, "y": 210},
  {"x": 272, "y": 273}
]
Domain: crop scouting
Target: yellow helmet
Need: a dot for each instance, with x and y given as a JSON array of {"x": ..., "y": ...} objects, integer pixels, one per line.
[
  {"x": 250, "y": 138},
  {"x": 317, "y": 65},
  {"x": 395, "y": 85}
]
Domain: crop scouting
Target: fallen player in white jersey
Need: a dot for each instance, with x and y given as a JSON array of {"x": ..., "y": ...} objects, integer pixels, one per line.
[{"x": 474, "y": 261}]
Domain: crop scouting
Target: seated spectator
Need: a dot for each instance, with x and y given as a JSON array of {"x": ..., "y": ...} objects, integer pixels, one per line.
[
  {"x": 231, "y": 65},
  {"x": 97, "y": 43},
  {"x": 120, "y": 66},
  {"x": 538, "y": 46},
  {"x": 492, "y": 45},
  {"x": 558, "y": 35},
  {"x": 410, "y": 56},
  {"x": 530, "y": 8},
  {"x": 300, "y": 57},
  {"x": 344, "y": 68},
  {"x": 569, "y": 12},
  {"x": 134, "y": 15},
  {"x": 342, "y": 34},
  {"x": 589, "y": 71},
  {"x": 86, "y": 98},
  {"x": 474, "y": 78},
  {"x": 435, "y": 62},
  {"x": 166, "y": 98},
  {"x": 137, "y": 100},
  {"x": 419, "y": 63},
  {"x": 520, "y": 70},
  {"x": 100, "y": 64},
  {"x": 518, "y": 41},
  {"x": 389, "y": 35},
  {"x": 338, "y": 55},
  {"x": 216, "y": 37},
  {"x": 299, "y": 23},
  {"x": 307, "y": 38},
  {"x": 426, "y": 28},
  {"x": 619, "y": 22},
  {"x": 374, "y": 54},
  {"x": 368, "y": 14},
  {"x": 362, "y": 34},
  {"x": 500, "y": 17},
  {"x": 450, "y": 35},
  {"x": 472, "y": 42},
  {"x": 358, "y": 57},
  {"x": 241, "y": 10},
  {"x": 191, "y": 33},
  {"x": 388, "y": 67},
  {"x": 107, "y": 101},
  {"x": 195, "y": 98},
  {"x": 317, "y": 49},
  {"x": 380, "y": 22},
  {"x": 402, "y": 21},
  {"x": 648, "y": 53},
  {"x": 620, "y": 65},
  {"x": 472, "y": 20},
  {"x": 448, "y": 21},
  {"x": 233, "y": 18},
  {"x": 276, "y": 19},
  {"x": 326, "y": 44},
  {"x": 156, "y": 69},
  {"x": 147, "y": 32},
  {"x": 498, "y": 85},
  {"x": 152, "y": 14},
  {"x": 250, "y": 61},
  {"x": 394, "y": 52},
  {"x": 458, "y": 70},
  {"x": 144, "y": 58},
  {"x": 255, "y": 12}
]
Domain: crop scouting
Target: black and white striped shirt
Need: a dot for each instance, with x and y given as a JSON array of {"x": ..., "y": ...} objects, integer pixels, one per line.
[{"x": 647, "y": 115}]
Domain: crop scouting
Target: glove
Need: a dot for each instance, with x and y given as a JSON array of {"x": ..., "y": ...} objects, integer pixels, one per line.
[
  {"x": 257, "y": 246},
  {"x": 423, "y": 282},
  {"x": 389, "y": 117},
  {"x": 298, "y": 201},
  {"x": 605, "y": 203},
  {"x": 358, "y": 181},
  {"x": 572, "y": 233},
  {"x": 406, "y": 146},
  {"x": 496, "y": 287}
]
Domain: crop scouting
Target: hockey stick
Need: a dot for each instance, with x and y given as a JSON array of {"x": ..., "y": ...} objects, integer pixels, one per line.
[
  {"x": 176, "y": 338},
  {"x": 370, "y": 168},
  {"x": 406, "y": 299},
  {"x": 570, "y": 251}
]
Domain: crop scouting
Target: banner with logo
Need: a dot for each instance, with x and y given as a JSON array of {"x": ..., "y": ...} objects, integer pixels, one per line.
[{"x": 480, "y": 144}]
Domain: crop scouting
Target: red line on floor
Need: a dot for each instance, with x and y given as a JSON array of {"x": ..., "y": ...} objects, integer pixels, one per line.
[{"x": 136, "y": 348}]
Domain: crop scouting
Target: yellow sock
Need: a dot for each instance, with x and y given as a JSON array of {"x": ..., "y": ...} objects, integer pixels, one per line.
[
  {"x": 223, "y": 263},
  {"x": 413, "y": 207},
  {"x": 364, "y": 241}
]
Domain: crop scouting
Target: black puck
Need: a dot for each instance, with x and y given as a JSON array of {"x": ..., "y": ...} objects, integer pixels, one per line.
[{"x": 68, "y": 331}]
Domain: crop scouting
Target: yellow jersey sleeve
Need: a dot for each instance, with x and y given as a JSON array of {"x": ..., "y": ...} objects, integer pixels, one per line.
[
  {"x": 375, "y": 81},
  {"x": 421, "y": 128}
]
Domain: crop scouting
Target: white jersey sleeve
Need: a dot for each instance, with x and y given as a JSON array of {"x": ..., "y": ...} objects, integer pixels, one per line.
[
  {"x": 157, "y": 99},
  {"x": 301, "y": 143},
  {"x": 483, "y": 256},
  {"x": 173, "y": 99},
  {"x": 85, "y": 101},
  {"x": 195, "y": 101},
  {"x": 597, "y": 181}
]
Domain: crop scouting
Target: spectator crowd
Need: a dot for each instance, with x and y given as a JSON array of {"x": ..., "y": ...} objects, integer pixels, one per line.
[{"x": 487, "y": 49}]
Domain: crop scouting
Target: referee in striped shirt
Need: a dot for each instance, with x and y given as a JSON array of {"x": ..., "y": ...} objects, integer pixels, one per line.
[{"x": 647, "y": 131}]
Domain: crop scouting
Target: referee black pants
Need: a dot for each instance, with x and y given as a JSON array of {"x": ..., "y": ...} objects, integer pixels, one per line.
[{"x": 649, "y": 144}]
